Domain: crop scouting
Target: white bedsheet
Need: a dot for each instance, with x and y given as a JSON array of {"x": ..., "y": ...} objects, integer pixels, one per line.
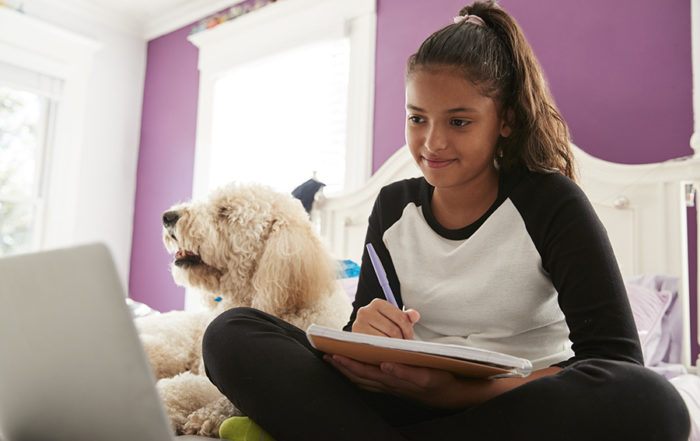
[{"x": 689, "y": 387}]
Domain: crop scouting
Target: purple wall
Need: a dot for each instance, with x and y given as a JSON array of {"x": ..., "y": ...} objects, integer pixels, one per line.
[
  {"x": 619, "y": 71},
  {"x": 165, "y": 165}
]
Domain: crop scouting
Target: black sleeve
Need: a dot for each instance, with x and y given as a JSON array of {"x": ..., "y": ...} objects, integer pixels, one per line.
[
  {"x": 577, "y": 254},
  {"x": 368, "y": 287}
]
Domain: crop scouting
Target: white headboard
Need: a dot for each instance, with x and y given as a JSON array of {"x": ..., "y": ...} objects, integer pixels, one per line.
[
  {"x": 342, "y": 221},
  {"x": 643, "y": 208}
]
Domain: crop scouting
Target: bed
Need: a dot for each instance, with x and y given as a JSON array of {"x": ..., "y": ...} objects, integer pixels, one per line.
[{"x": 647, "y": 210}]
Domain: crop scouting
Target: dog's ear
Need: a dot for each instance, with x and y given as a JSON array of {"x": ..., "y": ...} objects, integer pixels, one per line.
[{"x": 295, "y": 270}]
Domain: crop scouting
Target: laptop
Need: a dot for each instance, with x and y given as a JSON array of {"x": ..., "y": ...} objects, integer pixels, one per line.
[{"x": 71, "y": 365}]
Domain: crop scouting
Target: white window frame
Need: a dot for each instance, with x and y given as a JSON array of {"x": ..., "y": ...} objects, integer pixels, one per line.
[
  {"x": 282, "y": 25},
  {"x": 48, "y": 91},
  {"x": 41, "y": 47}
]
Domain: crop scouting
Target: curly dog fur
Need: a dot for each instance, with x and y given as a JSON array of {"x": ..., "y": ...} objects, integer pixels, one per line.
[{"x": 245, "y": 245}]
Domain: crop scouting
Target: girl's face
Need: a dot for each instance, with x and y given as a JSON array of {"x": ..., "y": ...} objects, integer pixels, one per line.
[{"x": 452, "y": 129}]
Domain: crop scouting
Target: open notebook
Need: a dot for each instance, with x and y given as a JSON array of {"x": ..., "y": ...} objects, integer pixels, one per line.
[{"x": 464, "y": 361}]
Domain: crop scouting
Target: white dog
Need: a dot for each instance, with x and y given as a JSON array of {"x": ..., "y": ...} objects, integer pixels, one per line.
[{"x": 246, "y": 245}]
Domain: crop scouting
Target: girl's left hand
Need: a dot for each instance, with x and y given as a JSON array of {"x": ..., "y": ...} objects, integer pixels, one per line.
[{"x": 432, "y": 387}]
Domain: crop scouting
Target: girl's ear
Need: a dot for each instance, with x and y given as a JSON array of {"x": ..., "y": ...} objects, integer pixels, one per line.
[{"x": 506, "y": 123}]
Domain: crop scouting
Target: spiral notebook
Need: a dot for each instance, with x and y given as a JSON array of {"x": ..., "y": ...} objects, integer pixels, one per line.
[{"x": 463, "y": 361}]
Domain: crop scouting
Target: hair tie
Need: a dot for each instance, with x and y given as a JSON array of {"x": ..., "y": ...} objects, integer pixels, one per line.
[{"x": 475, "y": 19}]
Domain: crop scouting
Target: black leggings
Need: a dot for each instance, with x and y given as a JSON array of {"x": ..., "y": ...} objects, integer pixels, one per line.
[{"x": 267, "y": 368}]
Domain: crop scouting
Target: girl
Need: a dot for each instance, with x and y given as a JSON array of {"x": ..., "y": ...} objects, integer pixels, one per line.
[{"x": 495, "y": 247}]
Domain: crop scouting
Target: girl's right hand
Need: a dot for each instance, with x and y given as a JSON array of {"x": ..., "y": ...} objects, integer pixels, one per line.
[{"x": 382, "y": 318}]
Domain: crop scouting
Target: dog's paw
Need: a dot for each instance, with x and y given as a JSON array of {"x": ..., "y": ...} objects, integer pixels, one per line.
[
  {"x": 206, "y": 427},
  {"x": 207, "y": 420}
]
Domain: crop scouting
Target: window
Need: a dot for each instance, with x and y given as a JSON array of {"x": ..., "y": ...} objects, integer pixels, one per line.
[
  {"x": 282, "y": 119},
  {"x": 286, "y": 92},
  {"x": 24, "y": 127},
  {"x": 43, "y": 75},
  {"x": 27, "y": 105}
]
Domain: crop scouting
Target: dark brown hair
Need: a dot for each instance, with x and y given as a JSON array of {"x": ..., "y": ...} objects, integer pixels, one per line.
[{"x": 498, "y": 59}]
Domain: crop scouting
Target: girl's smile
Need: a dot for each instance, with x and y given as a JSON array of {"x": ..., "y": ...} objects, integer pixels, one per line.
[{"x": 436, "y": 163}]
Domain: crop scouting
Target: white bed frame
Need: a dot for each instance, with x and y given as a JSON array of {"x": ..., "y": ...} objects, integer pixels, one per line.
[{"x": 643, "y": 207}]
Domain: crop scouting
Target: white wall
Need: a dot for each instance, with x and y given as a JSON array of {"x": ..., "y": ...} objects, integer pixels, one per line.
[{"x": 107, "y": 177}]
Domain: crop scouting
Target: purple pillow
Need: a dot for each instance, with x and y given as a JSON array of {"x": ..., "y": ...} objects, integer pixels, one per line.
[
  {"x": 349, "y": 285},
  {"x": 649, "y": 308},
  {"x": 670, "y": 347}
]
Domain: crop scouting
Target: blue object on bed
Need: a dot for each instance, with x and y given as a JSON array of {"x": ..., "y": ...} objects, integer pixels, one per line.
[{"x": 348, "y": 268}]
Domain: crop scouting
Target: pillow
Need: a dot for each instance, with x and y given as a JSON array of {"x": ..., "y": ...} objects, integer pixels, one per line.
[
  {"x": 670, "y": 346},
  {"x": 649, "y": 308},
  {"x": 349, "y": 285}
]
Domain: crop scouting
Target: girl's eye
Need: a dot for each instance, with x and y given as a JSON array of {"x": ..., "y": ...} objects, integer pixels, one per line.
[
  {"x": 415, "y": 119},
  {"x": 460, "y": 122}
]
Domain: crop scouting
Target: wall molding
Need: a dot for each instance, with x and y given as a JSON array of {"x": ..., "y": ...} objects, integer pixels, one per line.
[{"x": 183, "y": 15}]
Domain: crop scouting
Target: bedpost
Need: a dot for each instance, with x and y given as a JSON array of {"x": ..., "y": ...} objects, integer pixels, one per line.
[{"x": 687, "y": 199}]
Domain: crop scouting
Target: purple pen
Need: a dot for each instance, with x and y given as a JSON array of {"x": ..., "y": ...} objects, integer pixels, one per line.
[{"x": 381, "y": 275}]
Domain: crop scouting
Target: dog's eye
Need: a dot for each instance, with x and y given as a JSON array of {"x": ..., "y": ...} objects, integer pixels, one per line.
[{"x": 224, "y": 211}]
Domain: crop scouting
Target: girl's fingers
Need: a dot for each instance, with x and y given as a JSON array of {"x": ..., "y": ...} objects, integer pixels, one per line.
[
  {"x": 374, "y": 378},
  {"x": 382, "y": 318},
  {"x": 345, "y": 366}
]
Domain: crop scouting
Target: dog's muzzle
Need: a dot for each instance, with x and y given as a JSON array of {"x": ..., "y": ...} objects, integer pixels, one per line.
[
  {"x": 186, "y": 259},
  {"x": 170, "y": 218}
]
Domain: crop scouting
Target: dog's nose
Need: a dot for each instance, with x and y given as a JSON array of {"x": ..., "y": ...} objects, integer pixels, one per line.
[{"x": 170, "y": 218}]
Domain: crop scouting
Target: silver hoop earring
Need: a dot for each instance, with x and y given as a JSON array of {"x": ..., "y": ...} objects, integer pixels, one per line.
[{"x": 497, "y": 159}]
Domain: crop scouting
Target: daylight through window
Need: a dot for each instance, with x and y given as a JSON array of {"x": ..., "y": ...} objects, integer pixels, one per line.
[
  {"x": 25, "y": 116},
  {"x": 281, "y": 119}
]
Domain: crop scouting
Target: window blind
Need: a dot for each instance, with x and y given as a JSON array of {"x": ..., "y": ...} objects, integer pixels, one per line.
[{"x": 19, "y": 78}]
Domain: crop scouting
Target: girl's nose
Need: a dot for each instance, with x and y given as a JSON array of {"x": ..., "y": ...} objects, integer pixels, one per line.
[{"x": 435, "y": 140}]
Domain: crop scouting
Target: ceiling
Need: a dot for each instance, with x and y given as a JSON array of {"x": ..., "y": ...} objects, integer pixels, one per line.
[
  {"x": 147, "y": 18},
  {"x": 141, "y": 9}
]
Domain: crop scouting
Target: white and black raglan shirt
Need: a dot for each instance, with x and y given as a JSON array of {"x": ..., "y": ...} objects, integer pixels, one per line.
[{"x": 534, "y": 277}]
